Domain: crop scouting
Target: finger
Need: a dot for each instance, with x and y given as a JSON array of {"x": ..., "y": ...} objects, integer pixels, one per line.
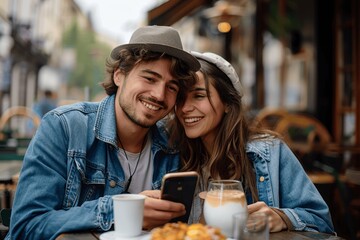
[
  {"x": 255, "y": 207},
  {"x": 158, "y": 212},
  {"x": 162, "y": 210},
  {"x": 162, "y": 215},
  {"x": 275, "y": 222},
  {"x": 163, "y": 205},
  {"x": 151, "y": 193}
]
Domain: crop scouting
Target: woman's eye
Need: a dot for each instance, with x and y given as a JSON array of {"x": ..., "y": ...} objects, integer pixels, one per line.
[
  {"x": 199, "y": 96},
  {"x": 173, "y": 89}
]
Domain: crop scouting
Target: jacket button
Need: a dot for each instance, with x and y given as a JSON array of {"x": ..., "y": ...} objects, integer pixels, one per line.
[
  {"x": 112, "y": 183},
  {"x": 262, "y": 179}
]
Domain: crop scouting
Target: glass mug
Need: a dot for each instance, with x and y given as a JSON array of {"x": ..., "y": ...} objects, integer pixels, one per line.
[
  {"x": 252, "y": 227},
  {"x": 224, "y": 198}
]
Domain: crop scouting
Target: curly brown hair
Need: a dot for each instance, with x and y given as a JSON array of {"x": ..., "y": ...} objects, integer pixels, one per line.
[{"x": 129, "y": 58}]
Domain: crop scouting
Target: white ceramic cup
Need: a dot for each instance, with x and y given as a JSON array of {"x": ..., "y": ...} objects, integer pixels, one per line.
[{"x": 128, "y": 214}]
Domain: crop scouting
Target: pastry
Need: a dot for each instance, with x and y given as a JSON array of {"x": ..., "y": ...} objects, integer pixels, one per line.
[{"x": 183, "y": 231}]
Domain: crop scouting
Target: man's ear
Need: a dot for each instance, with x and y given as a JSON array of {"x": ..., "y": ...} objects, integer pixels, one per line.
[{"x": 118, "y": 77}]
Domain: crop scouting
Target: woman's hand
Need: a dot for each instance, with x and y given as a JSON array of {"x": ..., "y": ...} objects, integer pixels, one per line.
[
  {"x": 157, "y": 212},
  {"x": 276, "y": 223}
]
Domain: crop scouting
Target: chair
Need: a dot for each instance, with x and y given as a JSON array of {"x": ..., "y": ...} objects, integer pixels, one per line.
[
  {"x": 269, "y": 117},
  {"x": 303, "y": 133},
  {"x": 308, "y": 138},
  {"x": 17, "y": 111},
  {"x": 13, "y": 145}
]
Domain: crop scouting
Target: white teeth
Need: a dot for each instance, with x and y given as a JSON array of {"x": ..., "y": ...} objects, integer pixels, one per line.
[
  {"x": 191, "y": 120},
  {"x": 151, "y": 107}
]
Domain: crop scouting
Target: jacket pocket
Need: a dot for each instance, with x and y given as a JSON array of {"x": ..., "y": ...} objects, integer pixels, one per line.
[{"x": 85, "y": 181}]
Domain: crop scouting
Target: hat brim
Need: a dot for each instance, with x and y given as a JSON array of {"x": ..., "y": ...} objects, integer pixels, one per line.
[{"x": 189, "y": 59}]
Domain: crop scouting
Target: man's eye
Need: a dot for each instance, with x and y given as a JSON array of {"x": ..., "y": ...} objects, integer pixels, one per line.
[{"x": 150, "y": 79}]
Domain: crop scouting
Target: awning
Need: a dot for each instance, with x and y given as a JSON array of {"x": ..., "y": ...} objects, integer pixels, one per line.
[{"x": 172, "y": 11}]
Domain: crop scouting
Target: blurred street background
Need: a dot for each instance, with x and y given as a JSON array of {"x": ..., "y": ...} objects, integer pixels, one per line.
[{"x": 298, "y": 61}]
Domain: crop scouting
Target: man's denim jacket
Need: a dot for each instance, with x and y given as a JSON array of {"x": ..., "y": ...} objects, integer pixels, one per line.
[
  {"x": 282, "y": 183},
  {"x": 71, "y": 169}
]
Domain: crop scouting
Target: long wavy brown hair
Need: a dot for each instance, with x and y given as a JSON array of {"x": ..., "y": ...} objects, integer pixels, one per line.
[
  {"x": 228, "y": 158},
  {"x": 128, "y": 58}
]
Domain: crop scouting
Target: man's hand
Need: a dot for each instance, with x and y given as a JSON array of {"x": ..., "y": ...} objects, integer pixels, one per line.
[
  {"x": 276, "y": 224},
  {"x": 157, "y": 212}
]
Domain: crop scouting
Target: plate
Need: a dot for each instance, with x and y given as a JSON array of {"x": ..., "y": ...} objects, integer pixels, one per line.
[{"x": 111, "y": 235}]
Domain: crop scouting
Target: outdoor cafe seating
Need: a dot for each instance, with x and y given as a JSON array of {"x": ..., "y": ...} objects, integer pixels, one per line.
[
  {"x": 324, "y": 163},
  {"x": 306, "y": 136},
  {"x": 13, "y": 144}
]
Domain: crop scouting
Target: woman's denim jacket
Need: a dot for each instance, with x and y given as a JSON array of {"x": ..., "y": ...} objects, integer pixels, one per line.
[
  {"x": 71, "y": 169},
  {"x": 282, "y": 183}
]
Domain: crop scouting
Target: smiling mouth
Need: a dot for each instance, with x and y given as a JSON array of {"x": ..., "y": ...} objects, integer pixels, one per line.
[
  {"x": 150, "y": 106},
  {"x": 192, "y": 119}
]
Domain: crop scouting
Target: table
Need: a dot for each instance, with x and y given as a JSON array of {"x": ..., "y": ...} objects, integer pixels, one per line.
[{"x": 285, "y": 235}]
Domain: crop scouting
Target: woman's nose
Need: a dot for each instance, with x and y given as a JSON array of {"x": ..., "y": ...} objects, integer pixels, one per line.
[{"x": 188, "y": 107}]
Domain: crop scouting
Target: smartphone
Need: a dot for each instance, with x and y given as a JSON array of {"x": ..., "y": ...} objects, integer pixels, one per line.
[{"x": 180, "y": 187}]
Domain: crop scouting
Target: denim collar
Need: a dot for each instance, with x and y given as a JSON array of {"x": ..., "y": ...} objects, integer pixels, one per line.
[
  {"x": 105, "y": 125},
  {"x": 260, "y": 148},
  {"x": 105, "y": 122}
]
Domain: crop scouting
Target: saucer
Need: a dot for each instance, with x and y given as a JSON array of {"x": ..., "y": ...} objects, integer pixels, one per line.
[{"x": 111, "y": 235}]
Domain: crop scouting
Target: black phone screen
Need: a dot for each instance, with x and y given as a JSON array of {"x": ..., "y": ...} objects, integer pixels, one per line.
[{"x": 180, "y": 189}]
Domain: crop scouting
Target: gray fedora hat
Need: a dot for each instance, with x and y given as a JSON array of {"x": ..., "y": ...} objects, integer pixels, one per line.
[{"x": 161, "y": 39}]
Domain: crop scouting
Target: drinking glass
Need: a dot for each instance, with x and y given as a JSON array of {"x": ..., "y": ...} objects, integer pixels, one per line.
[
  {"x": 224, "y": 199},
  {"x": 252, "y": 227}
]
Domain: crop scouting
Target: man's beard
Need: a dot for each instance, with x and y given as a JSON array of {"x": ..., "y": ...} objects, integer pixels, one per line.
[
  {"x": 130, "y": 113},
  {"x": 134, "y": 120}
]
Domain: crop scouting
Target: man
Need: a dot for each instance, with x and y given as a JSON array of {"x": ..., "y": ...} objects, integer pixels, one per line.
[
  {"x": 46, "y": 104},
  {"x": 86, "y": 152}
]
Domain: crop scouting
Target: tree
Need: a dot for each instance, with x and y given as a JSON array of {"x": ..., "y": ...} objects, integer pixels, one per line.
[{"x": 90, "y": 58}]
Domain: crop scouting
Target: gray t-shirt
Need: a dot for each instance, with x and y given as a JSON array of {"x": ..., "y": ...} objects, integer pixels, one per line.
[{"x": 142, "y": 178}]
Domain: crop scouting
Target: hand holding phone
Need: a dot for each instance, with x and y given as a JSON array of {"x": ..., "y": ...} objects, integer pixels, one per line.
[{"x": 180, "y": 187}]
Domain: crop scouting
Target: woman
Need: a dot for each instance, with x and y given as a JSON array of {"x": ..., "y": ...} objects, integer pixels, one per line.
[{"x": 218, "y": 142}]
